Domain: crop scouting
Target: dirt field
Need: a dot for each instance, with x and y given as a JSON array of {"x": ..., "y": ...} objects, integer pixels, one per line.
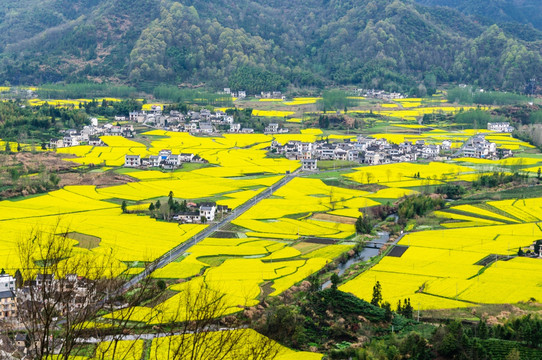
[
  {"x": 99, "y": 179},
  {"x": 28, "y": 173},
  {"x": 334, "y": 218}
]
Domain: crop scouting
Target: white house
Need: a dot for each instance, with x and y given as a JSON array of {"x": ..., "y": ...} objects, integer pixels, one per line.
[
  {"x": 235, "y": 128},
  {"x": 309, "y": 164},
  {"x": 56, "y": 143},
  {"x": 208, "y": 210},
  {"x": 185, "y": 157},
  {"x": 272, "y": 128},
  {"x": 446, "y": 145},
  {"x": 206, "y": 128},
  {"x": 430, "y": 151},
  {"x": 138, "y": 117},
  {"x": 132, "y": 160},
  {"x": 188, "y": 217},
  {"x": 70, "y": 141},
  {"x": 95, "y": 141},
  {"x": 7, "y": 282}
]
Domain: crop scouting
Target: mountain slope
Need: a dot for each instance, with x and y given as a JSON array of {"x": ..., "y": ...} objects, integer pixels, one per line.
[
  {"x": 390, "y": 44},
  {"x": 497, "y": 11}
]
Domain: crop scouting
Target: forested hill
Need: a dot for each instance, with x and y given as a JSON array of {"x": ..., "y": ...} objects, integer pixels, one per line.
[
  {"x": 528, "y": 12},
  {"x": 390, "y": 44}
]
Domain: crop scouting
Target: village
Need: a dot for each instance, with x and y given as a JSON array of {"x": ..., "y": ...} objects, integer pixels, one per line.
[
  {"x": 371, "y": 151},
  {"x": 363, "y": 149}
]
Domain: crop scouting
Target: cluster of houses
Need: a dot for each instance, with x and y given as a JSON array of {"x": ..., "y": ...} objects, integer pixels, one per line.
[
  {"x": 270, "y": 95},
  {"x": 90, "y": 135},
  {"x": 13, "y": 300},
  {"x": 370, "y": 151},
  {"x": 364, "y": 150},
  {"x": 195, "y": 122},
  {"x": 479, "y": 147},
  {"x": 379, "y": 94},
  {"x": 165, "y": 160},
  {"x": 18, "y": 304},
  {"x": 502, "y": 127},
  {"x": 241, "y": 94},
  {"x": 198, "y": 213},
  {"x": 274, "y": 128}
]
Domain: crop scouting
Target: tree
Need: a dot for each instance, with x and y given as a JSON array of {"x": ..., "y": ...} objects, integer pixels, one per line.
[
  {"x": 196, "y": 328},
  {"x": 158, "y": 204},
  {"x": 415, "y": 346},
  {"x": 408, "y": 311},
  {"x": 364, "y": 225},
  {"x": 18, "y": 279},
  {"x": 388, "y": 315},
  {"x": 335, "y": 280},
  {"x": 124, "y": 207},
  {"x": 8, "y": 148},
  {"x": 314, "y": 280},
  {"x": 161, "y": 285},
  {"x": 538, "y": 173},
  {"x": 377, "y": 294},
  {"x": 184, "y": 206},
  {"x": 521, "y": 252},
  {"x": 192, "y": 328},
  {"x": 283, "y": 323},
  {"x": 170, "y": 201},
  {"x": 151, "y": 207},
  {"x": 537, "y": 245},
  {"x": 48, "y": 310}
]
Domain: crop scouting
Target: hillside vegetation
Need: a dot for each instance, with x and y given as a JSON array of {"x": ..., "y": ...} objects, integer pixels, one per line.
[{"x": 389, "y": 44}]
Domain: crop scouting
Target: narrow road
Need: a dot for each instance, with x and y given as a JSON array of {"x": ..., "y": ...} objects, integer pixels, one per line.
[
  {"x": 181, "y": 248},
  {"x": 146, "y": 336}
]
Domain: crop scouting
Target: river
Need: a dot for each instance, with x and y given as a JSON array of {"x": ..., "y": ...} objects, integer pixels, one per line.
[{"x": 366, "y": 254}]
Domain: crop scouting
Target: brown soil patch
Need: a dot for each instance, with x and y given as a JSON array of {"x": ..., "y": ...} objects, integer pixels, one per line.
[
  {"x": 85, "y": 241},
  {"x": 267, "y": 289},
  {"x": 33, "y": 162},
  {"x": 98, "y": 179},
  {"x": 305, "y": 247},
  {"x": 334, "y": 218}
]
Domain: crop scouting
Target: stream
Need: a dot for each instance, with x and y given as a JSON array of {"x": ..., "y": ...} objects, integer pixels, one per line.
[{"x": 364, "y": 255}]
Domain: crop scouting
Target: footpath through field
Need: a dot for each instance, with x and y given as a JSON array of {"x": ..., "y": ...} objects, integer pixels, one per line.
[{"x": 181, "y": 248}]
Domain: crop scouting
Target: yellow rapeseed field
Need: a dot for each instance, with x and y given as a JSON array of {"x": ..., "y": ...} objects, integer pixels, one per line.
[{"x": 438, "y": 270}]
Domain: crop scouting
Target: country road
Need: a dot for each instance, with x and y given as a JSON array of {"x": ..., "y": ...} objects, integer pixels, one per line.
[{"x": 181, "y": 248}]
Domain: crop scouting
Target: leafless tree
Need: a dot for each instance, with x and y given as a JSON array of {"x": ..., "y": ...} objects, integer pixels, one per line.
[
  {"x": 68, "y": 290},
  {"x": 201, "y": 329}
]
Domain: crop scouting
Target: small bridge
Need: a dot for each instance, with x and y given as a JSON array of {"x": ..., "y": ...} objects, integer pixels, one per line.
[{"x": 373, "y": 245}]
